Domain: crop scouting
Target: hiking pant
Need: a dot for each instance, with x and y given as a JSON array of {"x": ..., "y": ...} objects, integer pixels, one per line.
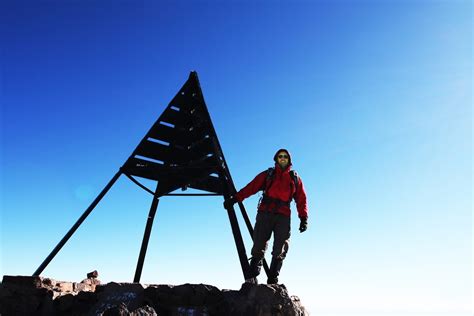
[{"x": 265, "y": 224}]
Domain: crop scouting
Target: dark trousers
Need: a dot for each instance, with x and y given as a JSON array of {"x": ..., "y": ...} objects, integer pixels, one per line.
[{"x": 266, "y": 224}]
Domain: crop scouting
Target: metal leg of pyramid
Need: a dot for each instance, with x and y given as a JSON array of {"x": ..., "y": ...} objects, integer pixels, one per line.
[
  {"x": 76, "y": 225},
  {"x": 250, "y": 229},
  {"x": 239, "y": 242},
  {"x": 146, "y": 238}
]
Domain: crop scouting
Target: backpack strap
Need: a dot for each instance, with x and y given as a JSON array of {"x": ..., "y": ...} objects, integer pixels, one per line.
[
  {"x": 268, "y": 182},
  {"x": 268, "y": 179},
  {"x": 294, "y": 176}
]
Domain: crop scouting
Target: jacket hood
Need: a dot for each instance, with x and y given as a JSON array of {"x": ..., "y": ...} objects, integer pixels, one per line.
[{"x": 287, "y": 152}]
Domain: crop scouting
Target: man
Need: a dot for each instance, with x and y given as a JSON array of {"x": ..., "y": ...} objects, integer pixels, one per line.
[{"x": 279, "y": 185}]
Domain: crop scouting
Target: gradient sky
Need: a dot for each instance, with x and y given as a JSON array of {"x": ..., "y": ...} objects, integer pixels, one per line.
[{"x": 373, "y": 99}]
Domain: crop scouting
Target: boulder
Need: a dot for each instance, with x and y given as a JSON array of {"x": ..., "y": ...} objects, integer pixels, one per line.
[
  {"x": 20, "y": 295},
  {"x": 93, "y": 275}
]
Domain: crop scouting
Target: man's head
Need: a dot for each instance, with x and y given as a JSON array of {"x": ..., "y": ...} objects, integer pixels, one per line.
[{"x": 282, "y": 158}]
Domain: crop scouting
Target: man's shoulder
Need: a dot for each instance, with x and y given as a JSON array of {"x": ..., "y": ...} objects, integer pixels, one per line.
[
  {"x": 293, "y": 173},
  {"x": 267, "y": 171},
  {"x": 296, "y": 178}
]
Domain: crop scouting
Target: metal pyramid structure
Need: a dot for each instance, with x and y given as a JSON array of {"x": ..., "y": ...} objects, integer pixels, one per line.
[{"x": 181, "y": 150}]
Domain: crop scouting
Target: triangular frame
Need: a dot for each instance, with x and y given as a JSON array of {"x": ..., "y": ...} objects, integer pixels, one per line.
[{"x": 181, "y": 150}]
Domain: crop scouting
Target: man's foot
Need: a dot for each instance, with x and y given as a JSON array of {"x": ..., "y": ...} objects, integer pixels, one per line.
[
  {"x": 252, "y": 280},
  {"x": 255, "y": 266},
  {"x": 275, "y": 268},
  {"x": 272, "y": 281}
]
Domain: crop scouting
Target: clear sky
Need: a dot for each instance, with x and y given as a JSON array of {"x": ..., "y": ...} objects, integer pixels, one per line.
[{"x": 373, "y": 99}]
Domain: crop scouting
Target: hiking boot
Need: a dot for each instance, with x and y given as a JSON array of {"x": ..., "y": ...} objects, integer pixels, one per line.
[
  {"x": 275, "y": 267},
  {"x": 252, "y": 280},
  {"x": 255, "y": 266},
  {"x": 272, "y": 281}
]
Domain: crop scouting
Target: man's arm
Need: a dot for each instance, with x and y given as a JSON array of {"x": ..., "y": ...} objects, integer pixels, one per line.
[
  {"x": 300, "y": 200},
  {"x": 253, "y": 187}
]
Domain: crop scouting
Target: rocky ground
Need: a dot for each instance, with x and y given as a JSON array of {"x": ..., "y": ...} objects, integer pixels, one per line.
[{"x": 27, "y": 295}]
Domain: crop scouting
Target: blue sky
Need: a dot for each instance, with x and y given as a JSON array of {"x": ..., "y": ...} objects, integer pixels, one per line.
[{"x": 373, "y": 99}]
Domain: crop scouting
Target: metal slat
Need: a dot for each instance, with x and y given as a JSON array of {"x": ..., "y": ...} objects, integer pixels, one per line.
[
  {"x": 177, "y": 136},
  {"x": 205, "y": 162},
  {"x": 172, "y": 154},
  {"x": 186, "y": 116},
  {"x": 186, "y": 96},
  {"x": 144, "y": 169},
  {"x": 164, "y": 133},
  {"x": 167, "y": 154},
  {"x": 165, "y": 188},
  {"x": 177, "y": 118},
  {"x": 154, "y": 171},
  {"x": 210, "y": 184},
  {"x": 198, "y": 150}
]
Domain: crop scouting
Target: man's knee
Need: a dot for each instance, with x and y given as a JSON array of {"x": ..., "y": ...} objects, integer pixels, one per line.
[
  {"x": 258, "y": 252},
  {"x": 259, "y": 246},
  {"x": 281, "y": 249}
]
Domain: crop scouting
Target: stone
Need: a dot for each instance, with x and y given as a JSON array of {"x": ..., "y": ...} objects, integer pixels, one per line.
[
  {"x": 144, "y": 311},
  {"x": 25, "y": 295},
  {"x": 83, "y": 287},
  {"x": 64, "y": 303},
  {"x": 64, "y": 287},
  {"x": 21, "y": 295},
  {"x": 87, "y": 281},
  {"x": 23, "y": 281},
  {"x": 118, "y": 310},
  {"x": 114, "y": 294},
  {"x": 92, "y": 275},
  {"x": 88, "y": 284}
]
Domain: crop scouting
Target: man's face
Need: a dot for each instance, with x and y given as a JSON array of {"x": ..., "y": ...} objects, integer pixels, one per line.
[{"x": 282, "y": 159}]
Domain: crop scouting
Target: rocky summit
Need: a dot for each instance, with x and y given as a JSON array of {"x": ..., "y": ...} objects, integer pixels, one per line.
[{"x": 34, "y": 295}]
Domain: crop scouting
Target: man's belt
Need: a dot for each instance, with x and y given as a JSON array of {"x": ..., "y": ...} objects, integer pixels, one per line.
[{"x": 267, "y": 199}]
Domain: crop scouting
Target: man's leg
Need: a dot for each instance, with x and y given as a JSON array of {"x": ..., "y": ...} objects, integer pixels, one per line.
[
  {"x": 275, "y": 267},
  {"x": 281, "y": 244},
  {"x": 261, "y": 235}
]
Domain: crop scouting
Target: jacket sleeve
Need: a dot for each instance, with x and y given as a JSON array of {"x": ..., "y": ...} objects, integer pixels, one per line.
[
  {"x": 253, "y": 187},
  {"x": 300, "y": 200}
]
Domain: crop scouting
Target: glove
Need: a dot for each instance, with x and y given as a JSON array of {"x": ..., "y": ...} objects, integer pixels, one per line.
[
  {"x": 303, "y": 224},
  {"x": 229, "y": 202}
]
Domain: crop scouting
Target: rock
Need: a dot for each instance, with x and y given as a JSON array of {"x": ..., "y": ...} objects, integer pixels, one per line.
[
  {"x": 262, "y": 300},
  {"x": 92, "y": 275},
  {"x": 64, "y": 287},
  {"x": 23, "y": 295},
  {"x": 64, "y": 303},
  {"x": 23, "y": 281},
  {"x": 82, "y": 287},
  {"x": 144, "y": 311},
  {"x": 186, "y": 299},
  {"x": 122, "y": 310},
  {"x": 70, "y": 304},
  {"x": 118, "y": 310},
  {"x": 113, "y": 294},
  {"x": 20, "y": 295},
  {"x": 88, "y": 284}
]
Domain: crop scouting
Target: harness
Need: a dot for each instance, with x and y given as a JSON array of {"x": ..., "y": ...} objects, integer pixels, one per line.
[{"x": 268, "y": 182}]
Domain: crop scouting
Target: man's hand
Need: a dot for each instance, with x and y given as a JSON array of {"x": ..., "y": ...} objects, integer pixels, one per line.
[
  {"x": 303, "y": 224},
  {"x": 229, "y": 202}
]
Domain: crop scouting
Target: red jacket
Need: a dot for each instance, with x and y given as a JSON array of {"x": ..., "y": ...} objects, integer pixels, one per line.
[{"x": 282, "y": 187}]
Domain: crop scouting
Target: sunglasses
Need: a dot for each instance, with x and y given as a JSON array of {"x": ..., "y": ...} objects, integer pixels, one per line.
[{"x": 283, "y": 156}]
